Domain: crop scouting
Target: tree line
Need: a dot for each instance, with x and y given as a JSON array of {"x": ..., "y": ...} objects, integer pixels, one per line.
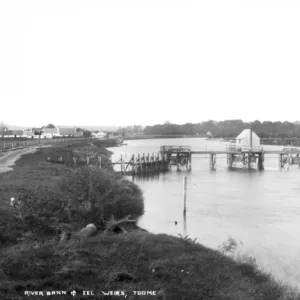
[{"x": 227, "y": 128}]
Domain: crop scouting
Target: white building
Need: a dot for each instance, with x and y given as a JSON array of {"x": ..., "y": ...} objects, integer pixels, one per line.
[
  {"x": 244, "y": 139},
  {"x": 50, "y": 133},
  {"x": 99, "y": 135}
]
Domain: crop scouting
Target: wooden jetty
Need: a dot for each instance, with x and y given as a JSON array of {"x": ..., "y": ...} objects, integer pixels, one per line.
[
  {"x": 181, "y": 156},
  {"x": 142, "y": 164}
]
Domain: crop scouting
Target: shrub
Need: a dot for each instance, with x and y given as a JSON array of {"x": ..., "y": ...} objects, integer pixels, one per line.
[
  {"x": 98, "y": 195},
  {"x": 105, "y": 143},
  {"x": 42, "y": 210}
]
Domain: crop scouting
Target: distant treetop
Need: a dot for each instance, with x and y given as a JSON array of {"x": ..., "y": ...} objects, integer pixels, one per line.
[{"x": 50, "y": 126}]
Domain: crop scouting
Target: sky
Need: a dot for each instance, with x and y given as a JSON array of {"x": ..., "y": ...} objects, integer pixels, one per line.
[{"x": 146, "y": 62}]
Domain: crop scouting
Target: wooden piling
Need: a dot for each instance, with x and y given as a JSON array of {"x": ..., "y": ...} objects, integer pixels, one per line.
[
  {"x": 133, "y": 165},
  {"x": 122, "y": 169},
  {"x": 249, "y": 160},
  {"x": 184, "y": 194},
  {"x": 99, "y": 161},
  {"x": 178, "y": 162}
]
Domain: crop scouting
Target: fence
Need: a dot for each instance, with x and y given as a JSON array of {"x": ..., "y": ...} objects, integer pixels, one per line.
[
  {"x": 175, "y": 148},
  {"x": 20, "y": 144},
  {"x": 233, "y": 147}
]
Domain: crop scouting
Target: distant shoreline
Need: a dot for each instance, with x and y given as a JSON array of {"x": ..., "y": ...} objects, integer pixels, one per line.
[{"x": 264, "y": 141}]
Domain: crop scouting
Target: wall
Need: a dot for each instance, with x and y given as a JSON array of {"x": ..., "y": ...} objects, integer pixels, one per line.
[{"x": 246, "y": 141}]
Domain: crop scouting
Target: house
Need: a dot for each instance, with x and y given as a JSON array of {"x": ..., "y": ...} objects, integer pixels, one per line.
[
  {"x": 244, "y": 139},
  {"x": 112, "y": 135},
  {"x": 50, "y": 133},
  {"x": 17, "y": 133},
  {"x": 62, "y": 131},
  {"x": 28, "y": 133},
  {"x": 99, "y": 135},
  {"x": 59, "y": 132},
  {"x": 11, "y": 133}
]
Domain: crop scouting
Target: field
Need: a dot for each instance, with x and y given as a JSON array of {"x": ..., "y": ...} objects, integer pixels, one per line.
[{"x": 41, "y": 249}]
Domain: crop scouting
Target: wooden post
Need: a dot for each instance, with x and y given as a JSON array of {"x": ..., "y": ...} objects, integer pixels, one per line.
[
  {"x": 280, "y": 160},
  {"x": 122, "y": 164},
  {"x": 87, "y": 160},
  {"x": 99, "y": 161},
  {"x": 133, "y": 165},
  {"x": 184, "y": 194},
  {"x": 138, "y": 169},
  {"x": 249, "y": 160},
  {"x": 178, "y": 162}
]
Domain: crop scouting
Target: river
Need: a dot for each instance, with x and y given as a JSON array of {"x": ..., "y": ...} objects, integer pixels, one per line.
[{"x": 261, "y": 208}]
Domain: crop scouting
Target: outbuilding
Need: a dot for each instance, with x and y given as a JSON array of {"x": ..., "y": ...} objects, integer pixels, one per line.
[{"x": 247, "y": 138}]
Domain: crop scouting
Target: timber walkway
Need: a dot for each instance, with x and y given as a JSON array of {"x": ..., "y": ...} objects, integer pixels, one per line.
[{"x": 181, "y": 156}]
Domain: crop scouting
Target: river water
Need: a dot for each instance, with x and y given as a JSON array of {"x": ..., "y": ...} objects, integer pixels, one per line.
[{"x": 259, "y": 208}]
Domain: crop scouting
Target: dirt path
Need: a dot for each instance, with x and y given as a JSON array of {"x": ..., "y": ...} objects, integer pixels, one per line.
[{"x": 8, "y": 159}]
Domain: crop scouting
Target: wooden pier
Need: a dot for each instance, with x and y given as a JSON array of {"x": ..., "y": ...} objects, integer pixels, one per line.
[
  {"x": 142, "y": 164},
  {"x": 181, "y": 157}
]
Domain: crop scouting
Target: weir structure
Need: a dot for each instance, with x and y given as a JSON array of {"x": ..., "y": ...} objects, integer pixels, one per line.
[
  {"x": 181, "y": 157},
  {"x": 142, "y": 164}
]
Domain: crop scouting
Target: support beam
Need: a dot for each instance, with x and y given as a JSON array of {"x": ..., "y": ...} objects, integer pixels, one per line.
[{"x": 249, "y": 160}]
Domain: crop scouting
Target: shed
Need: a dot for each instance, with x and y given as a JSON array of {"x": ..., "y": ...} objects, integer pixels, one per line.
[{"x": 244, "y": 139}]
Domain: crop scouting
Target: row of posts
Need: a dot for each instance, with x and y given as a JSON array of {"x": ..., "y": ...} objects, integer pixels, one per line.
[
  {"x": 145, "y": 164},
  {"x": 288, "y": 159},
  {"x": 9, "y": 145},
  {"x": 99, "y": 161},
  {"x": 247, "y": 159}
]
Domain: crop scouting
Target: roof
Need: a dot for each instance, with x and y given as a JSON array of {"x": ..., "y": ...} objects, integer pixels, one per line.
[
  {"x": 99, "y": 133},
  {"x": 244, "y": 133},
  {"x": 7, "y": 132},
  {"x": 50, "y": 130},
  {"x": 17, "y": 132},
  {"x": 67, "y": 131}
]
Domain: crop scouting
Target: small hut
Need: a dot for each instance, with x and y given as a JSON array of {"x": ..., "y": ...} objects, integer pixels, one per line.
[{"x": 247, "y": 138}]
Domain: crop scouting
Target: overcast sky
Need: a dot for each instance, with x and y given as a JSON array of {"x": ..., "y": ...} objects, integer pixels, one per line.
[{"x": 146, "y": 62}]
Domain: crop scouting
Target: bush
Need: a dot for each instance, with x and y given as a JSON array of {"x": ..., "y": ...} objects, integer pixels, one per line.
[
  {"x": 42, "y": 209},
  {"x": 105, "y": 143},
  {"x": 97, "y": 195}
]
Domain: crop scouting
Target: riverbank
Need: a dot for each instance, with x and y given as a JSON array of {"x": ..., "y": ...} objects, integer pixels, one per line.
[{"x": 61, "y": 198}]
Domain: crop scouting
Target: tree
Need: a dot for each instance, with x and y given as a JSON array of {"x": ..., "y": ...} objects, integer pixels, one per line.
[
  {"x": 50, "y": 126},
  {"x": 3, "y": 127}
]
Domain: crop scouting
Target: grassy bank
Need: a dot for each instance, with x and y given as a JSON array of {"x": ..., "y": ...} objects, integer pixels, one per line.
[{"x": 57, "y": 200}]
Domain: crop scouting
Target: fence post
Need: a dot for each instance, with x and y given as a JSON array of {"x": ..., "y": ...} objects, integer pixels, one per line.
[
  {"x": 99, "y": 160},
  {"x": 184, "y": 194}
]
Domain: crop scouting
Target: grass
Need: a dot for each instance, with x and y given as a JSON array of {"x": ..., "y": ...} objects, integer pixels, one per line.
[{"x": 53, "y": 200}]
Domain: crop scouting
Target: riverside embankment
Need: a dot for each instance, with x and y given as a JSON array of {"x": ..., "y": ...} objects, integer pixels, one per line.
[{"x": 57, "y": 198}]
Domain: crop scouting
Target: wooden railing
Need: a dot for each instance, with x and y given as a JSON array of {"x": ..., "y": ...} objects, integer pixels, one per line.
[
  {"x": 234, "y": 147},
  {"x": 175, "y": 148}
]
